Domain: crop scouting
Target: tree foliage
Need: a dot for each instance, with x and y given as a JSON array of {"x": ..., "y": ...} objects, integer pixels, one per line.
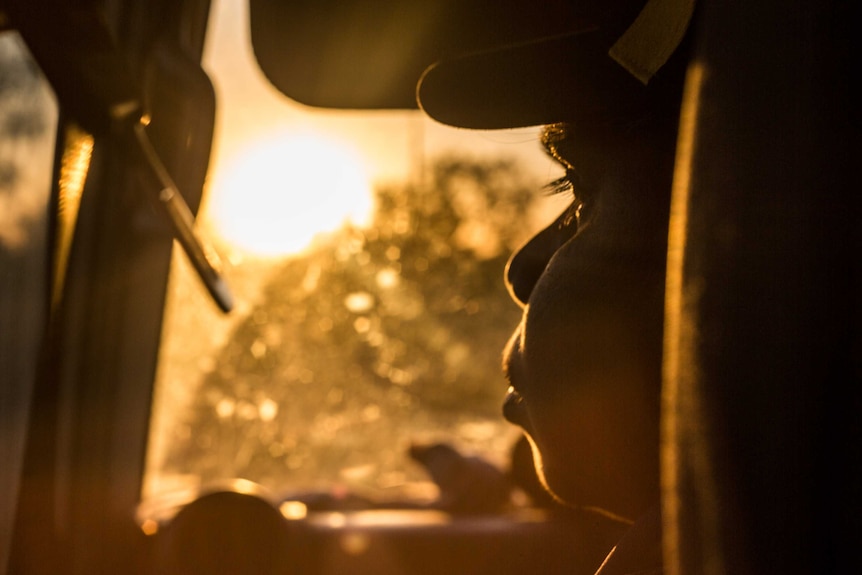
[
  {"x": 25, "y": 147},
  {"x": 374, "y": 337}
]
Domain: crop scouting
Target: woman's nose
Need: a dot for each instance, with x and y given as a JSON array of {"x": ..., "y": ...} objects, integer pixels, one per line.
[{"x": 527, "y": 265}]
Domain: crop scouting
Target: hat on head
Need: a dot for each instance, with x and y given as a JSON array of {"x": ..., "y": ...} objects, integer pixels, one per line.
[
  {"x": 500, "y": 63},
  {"x": 617, "y": 65}
]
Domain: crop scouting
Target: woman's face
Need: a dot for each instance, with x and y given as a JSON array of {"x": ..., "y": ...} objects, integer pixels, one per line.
[{"x": 584, "y": 364}]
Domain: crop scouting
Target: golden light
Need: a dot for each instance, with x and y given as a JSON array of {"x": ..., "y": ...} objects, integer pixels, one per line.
[
  {"x": 149, "y": 527},
  {"x": 293, "y": 510},
  {"x": 277, "y": 194}
]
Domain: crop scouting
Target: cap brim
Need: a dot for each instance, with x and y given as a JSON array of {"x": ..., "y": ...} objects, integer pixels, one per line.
[
  {"x": 356, "y": 54},
  {"x": 568, "y": 78}
]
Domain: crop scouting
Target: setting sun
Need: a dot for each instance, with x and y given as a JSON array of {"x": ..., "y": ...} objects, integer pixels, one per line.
[{"x": 276, "y": 194}]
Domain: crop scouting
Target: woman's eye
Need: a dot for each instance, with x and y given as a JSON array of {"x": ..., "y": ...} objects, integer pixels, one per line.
[
  {"x": 564, "y": 186},
  {"x": 571, "y": 217},
  {"x": 567, "y": 224}
]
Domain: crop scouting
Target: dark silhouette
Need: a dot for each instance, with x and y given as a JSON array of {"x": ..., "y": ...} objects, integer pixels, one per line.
[{"x": 469, "y": 485}]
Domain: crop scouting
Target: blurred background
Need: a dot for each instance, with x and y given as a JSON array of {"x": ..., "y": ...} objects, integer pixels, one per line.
[{"x": 366, "y": 252}]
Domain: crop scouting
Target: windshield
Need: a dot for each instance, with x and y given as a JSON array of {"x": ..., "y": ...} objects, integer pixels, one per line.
[{"x": 366, "y": 251}]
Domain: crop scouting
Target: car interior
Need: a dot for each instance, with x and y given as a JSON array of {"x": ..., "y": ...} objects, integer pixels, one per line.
[{"x": 761, "y": 438}]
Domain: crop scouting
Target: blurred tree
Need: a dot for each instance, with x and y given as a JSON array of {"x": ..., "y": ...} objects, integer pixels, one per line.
[
  {"x": 26, "y": 156},
  {"x": 373, "y": 337},
  {"x": 25, "y": 118}
]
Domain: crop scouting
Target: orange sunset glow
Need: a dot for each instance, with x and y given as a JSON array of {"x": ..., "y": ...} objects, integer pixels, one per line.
[
  {"x": 276, "y": 194},
  {"x": 282, "y": 172}
]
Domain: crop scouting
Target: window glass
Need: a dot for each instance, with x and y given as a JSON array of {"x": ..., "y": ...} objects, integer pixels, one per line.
[
  {"x": 366, "y": 253},
  {"x": 28, "y": 119}
]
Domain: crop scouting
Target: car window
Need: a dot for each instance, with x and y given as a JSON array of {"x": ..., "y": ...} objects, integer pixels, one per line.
[
  {"x": 28, "y": 120},
  {"x": 366, "y": 252}
]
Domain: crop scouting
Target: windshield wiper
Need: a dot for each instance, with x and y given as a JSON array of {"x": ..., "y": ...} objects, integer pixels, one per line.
[{"x": 173, "y": 206}]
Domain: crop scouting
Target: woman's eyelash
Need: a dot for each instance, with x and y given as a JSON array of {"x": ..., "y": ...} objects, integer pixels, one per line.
[
  {"x": 554, "y": 137},
  {"x": 567, "y": 185},
  {"x": 562, "y": 186}
]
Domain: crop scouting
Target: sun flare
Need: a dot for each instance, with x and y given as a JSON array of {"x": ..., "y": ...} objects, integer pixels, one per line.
[{"x": 278, "y": 193}]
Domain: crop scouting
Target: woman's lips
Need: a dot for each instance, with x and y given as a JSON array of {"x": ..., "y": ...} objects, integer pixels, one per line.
[{"x": 514, "y": 409}]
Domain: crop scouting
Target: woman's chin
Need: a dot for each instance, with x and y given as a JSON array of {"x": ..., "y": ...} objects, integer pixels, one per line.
[{"x": 556, "y": 484}]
